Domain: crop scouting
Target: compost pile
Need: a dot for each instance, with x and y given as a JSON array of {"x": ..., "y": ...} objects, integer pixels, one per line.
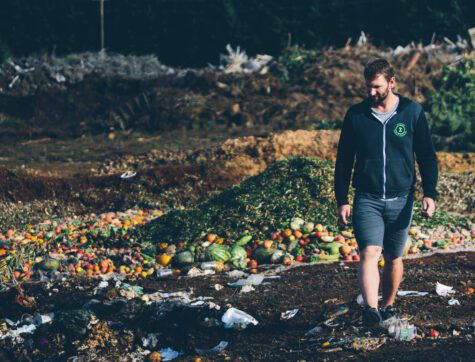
[{"x": 295, "y": 187}]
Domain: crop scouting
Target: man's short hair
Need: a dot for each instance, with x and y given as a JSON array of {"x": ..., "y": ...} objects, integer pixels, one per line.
[{"x": 378, "y": 67}]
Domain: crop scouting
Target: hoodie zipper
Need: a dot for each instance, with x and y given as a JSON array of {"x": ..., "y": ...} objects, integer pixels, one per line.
[{"x": 384, "y": 153}]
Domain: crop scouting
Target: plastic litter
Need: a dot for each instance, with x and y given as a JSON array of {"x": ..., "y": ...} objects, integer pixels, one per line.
[
  {"x": 195, "y": 272},
  {"x": 340, "y": 310},
  {"x": 314, "y": 330},
  {"x": 128, "y": 174},
  {"x": 444, "y": 290},
  {"x": 235, "y": 273},
  {"x": 254, "y": 279},
  {"x": 247, "y": 289},
  {"x": 411, "y": 293},
  {"x": 400, "y": 329},
  {"x": 453, "y": 301},
  {"x": 289, "y": 314},
  {"x": 102, "y": 285},
  {"x": 209, "y": 265},
  {"x": 164, "y": 273},
  {"x": 38, "y": 320},
  {"x": 216, "y": 349},
  {"x": 168, "y": 354},
  {"x": 330, "y": 323},
  {"x": 237, "y": 318},
  {"x": 150, "y": 340}
]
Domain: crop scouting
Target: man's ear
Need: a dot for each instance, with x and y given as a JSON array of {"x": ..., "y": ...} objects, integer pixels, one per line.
[{"x": 392, "y": 83}]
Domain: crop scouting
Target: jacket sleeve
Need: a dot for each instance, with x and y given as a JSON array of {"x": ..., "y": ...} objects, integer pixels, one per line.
[
  {"x": 426, "y": 157},
  {"x": 344, "y": 161}
]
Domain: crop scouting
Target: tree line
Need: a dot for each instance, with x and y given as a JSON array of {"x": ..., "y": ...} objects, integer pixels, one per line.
[{"x": 195, "y": 32}]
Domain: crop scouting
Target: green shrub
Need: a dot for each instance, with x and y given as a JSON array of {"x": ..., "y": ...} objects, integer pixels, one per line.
[
  {"x": 293, "y": 61},
  {"x": 451, "y": 110},
  {"x": 4, "y": 52}
]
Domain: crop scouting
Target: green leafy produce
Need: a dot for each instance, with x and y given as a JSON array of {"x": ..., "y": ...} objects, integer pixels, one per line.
[
  {"x": 295, "y": 187},
  {"x": 244, "y": 240},
  {"x": 238, "y": 252}
]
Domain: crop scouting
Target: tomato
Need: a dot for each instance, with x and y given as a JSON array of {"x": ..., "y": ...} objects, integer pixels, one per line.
[
  {"x": 348, "y": 258},
  {"x": 340, "y": 239},
  {"x": 267, "y": 244},
  {"x": 287, "y": 261}
]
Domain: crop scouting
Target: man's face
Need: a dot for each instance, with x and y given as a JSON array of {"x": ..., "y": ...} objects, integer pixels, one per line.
[{"x": 378, "y": 89}]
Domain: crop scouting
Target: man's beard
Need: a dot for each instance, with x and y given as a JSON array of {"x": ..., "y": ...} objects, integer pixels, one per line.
[{"x": 379, "y": 99}]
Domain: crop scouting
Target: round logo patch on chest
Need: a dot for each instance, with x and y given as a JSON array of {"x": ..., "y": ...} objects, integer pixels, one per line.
[{"x": 400, "y": 130}]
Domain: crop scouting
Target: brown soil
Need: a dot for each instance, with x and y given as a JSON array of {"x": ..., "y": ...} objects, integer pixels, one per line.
[
  {"x": 169, "y": 177},
  {"x": 314, "y": 290}
]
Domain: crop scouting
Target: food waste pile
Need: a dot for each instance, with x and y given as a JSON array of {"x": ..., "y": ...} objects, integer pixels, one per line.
[{"x": 283, "y": 215}]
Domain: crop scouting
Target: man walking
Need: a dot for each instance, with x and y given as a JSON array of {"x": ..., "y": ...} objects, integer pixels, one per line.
[{"x": 382, "y": 133}]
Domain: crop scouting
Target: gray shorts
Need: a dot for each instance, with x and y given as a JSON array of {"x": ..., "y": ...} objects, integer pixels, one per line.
[{"x": 383, "y": 223}]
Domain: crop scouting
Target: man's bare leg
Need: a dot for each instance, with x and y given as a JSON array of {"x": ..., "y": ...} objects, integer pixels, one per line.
[
  {"x": 392, "y": 276},
  {"x": 368, "y": 275}
]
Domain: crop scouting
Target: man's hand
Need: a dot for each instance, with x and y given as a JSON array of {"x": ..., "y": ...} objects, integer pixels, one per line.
[
  {"x": 344, "y": 212},
  {"x": 428, "y": 206}
]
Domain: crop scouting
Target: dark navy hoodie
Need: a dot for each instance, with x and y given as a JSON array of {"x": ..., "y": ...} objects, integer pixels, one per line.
[{"x": 384, "y": 153}]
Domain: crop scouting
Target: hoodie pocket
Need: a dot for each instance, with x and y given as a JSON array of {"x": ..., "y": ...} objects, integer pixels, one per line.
[
  {"x": 372, "y": 175},
  {"x": 399, "y": 175}
]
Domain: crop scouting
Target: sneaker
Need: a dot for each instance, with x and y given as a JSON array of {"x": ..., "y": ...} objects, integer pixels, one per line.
[
  {"x": 371, "y": 317},
  {"x": 388, "y": 312}
]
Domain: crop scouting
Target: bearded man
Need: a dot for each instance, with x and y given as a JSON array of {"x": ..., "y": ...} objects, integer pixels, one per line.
[{"x": 385, "y": 134}]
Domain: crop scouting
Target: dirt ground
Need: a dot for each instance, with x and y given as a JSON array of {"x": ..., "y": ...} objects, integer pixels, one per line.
[
  {"x": 314, "y": 290},
  {"x": 76, "y": 176}
]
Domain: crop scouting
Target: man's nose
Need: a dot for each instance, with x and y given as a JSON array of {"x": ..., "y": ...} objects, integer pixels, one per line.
[{"x": 372, "y": 92}]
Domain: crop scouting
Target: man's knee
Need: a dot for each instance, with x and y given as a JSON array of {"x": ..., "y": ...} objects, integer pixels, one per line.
[
  {"x": 371, "y": 252},
  {"x": 392, "y": 260}
]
